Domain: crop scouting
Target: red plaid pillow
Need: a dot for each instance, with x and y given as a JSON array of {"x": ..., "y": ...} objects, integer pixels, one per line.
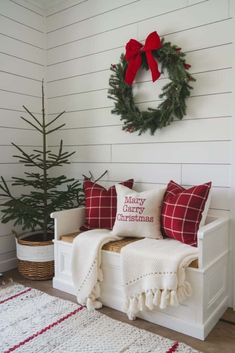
[
  {"x": 101, "y": 205},
  {"x": 182, "y": 211}
]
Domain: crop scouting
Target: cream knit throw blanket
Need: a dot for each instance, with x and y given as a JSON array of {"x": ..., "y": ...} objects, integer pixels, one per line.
[
  {"x": 153, "y": 273},
  {"x": 86, "y": 265}
]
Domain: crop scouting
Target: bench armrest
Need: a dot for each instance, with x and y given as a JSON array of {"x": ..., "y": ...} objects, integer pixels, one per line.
[
  {"x": 68, "y": 221},
  {"x": 213, "y": 241}
]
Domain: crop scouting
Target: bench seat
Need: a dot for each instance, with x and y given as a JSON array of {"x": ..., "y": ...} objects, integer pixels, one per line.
[{"x": 208, "y": 276}]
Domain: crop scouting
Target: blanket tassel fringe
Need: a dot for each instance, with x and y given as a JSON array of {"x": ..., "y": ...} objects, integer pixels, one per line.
[
  {"x": 161, "y": 298},
  {"x": 92, "y": 302}
]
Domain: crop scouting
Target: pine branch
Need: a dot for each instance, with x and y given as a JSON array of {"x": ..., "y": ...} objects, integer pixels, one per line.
[
  {"x": 27, "y": 157},
  {"x": 57, "y": 117},
  {"x": 29, "y": 122},
  {"x": 5, "y": 188},
  {"x": 28, "y": 111},
  {"x": 56, "y": 128}
]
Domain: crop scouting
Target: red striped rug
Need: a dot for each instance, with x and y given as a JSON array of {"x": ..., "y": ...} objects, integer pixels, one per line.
[{"x": 32, "y": 321}]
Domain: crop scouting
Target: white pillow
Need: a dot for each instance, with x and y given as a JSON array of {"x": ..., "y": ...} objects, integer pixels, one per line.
[{"x": 138, "y": 213}]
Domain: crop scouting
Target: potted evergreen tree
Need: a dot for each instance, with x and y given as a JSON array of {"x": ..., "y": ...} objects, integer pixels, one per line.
[{"x": 45, "y": 194}]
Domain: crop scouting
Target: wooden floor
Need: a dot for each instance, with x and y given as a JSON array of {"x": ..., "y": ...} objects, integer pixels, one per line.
[{"x": 220, "y": 340}]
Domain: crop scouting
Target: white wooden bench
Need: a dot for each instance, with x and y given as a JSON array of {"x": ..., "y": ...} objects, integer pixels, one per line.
[{"x": 198, "y": 314}]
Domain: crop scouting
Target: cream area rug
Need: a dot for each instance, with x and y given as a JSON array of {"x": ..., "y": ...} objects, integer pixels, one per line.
[{"x": 32, "y": 321}]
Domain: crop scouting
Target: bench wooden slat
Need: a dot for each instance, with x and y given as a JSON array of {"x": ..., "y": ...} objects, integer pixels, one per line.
[{"x": 114, "y": 246}]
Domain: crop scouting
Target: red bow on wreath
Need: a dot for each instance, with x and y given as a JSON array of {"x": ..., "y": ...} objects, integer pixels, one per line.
[{"x": 133, "y": 56}]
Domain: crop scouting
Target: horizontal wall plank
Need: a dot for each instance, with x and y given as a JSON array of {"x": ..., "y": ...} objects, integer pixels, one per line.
[
  {"x": 97, "y": 80},
  {"x": 21, "y": 14},
  {"x": 220, "y": 198},
  {"x": 218, "y": 174},
  {"x": 20, "y": 67},
  {"x": 203, "y": 36},
  {"x": 10, "y": 82},
  {"x": 84, "y": 65},
  {"x": 187, "y": 130},
  {"x": 61, "y": 7},
  {"x": 11, "y": 118},
  {"x": 194, "y": 16},
  {"x": 216, "y": 153},
  {"x": 191, "y": 152},
  {"x": 190, "y": 39},
  {"x": 22, "y": 33},
  {"x": 88, "y": 118},
  {"x": 80, "y": 12},
  {"x": 152, "y": 173},
  {"x": 149, "y": 173},
  {"x": 31, "y": 6},
  {"x": 19, "y": 137},
  {"x": 89, "y": 46},
  {"x": 16, "y": 101},
  {"x": 121, "y": 17},
  {"x": 22, "y": 50},
  {"x": 209, "y": 106},
  {"x": 97, "y": 153}
]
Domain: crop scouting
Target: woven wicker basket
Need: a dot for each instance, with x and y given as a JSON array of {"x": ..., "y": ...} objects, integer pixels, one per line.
[{"x": 35, "y": 258}]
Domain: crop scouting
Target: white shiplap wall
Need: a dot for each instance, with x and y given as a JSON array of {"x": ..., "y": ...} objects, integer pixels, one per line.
[
  {"x": 86, "y": 37},
  {"x": 22, "y": 67}
]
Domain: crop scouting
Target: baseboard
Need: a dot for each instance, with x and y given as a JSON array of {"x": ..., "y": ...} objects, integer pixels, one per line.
[
  {"x": 7, "y": 265},
  {"x": 7, "y": 253}
]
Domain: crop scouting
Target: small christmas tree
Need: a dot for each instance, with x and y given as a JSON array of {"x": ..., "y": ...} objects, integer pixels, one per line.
[{"x": 32, "y": 211}]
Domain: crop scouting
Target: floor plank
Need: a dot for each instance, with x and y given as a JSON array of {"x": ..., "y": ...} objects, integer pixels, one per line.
[{"x": 220, "y": 340}]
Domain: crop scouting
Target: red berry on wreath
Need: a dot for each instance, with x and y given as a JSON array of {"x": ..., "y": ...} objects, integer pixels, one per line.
[{"x": 187, "y": 66}]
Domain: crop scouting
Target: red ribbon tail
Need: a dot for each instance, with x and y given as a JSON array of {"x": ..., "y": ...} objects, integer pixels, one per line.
[
  {"x": 132, "y": 68},
  {"x": 153, "y": 65}
]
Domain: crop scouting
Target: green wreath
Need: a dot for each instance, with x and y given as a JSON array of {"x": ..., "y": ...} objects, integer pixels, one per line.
[{"x": 173, "y": 96}]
